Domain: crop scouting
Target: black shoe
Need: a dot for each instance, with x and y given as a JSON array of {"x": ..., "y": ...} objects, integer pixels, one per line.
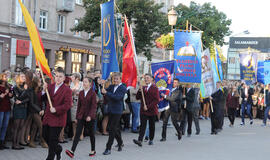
[
  {"x": 134, "y": 131},
  {"x": 139, "y": 143},
  {"x": 120, "y": 148},
  {"x": 150, "y": 143},
  {"x": 23, "y": 144},
  {"x": 179, "y": 135},
  {"x": 146, "y": 139},
  {"x": 17, "y": 147},
  {"x": 92, "y": 154},
  {"x": 107, "y": 152},
  {"x": 118, "y": 145},
  {"x": 162, "y": 139},
  {"x": 197, "y": 133},
  {"x": 70, "y": 153},
  {"x": 214, "y": 133},
  {"x": 63, "y": 141},
  {"x": 58, "y": 154}
]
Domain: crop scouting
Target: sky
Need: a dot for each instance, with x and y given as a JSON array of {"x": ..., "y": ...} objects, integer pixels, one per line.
[{"x": 245, "y": 15}]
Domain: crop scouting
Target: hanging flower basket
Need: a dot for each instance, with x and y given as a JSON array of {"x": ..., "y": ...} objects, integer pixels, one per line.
[{"x": 165, "y": 42}]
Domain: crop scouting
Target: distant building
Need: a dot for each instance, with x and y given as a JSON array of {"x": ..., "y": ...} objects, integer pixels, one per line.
[{"x": 259, "y": 45}]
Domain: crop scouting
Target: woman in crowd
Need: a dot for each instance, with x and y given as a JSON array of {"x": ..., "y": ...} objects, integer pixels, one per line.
[
  {"x": 205, "y": 111},
  {"x": 36, "y": 111},
  {"x": 76, "y": 86},
  {"x": 20, "y": 109},
  {"x": 232, "y": 104},
  {"x": 5, "y": 108},
  {"x": 85, "y": 116}
]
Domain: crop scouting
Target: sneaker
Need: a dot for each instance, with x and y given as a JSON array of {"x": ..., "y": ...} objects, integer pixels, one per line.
[
  {"x": 242, "y": 124},
  {"x": 251, "y": 122},
  {"x": 70, "y": 153},
  {"x": 201, "y": 117},
  {"x": 263, "y": 125},
  {"x": 207, "y": 118},
  {"x": 150, "y": 142},
  {"x": 146, "y": 139}
]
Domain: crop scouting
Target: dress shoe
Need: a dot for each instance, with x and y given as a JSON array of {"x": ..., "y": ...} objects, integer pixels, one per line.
[
  {"x": 118, "y": 145},
  {"x": 92, "y": 154},
  {"x": 23, "y": 144},
  {"x": 214, "y": 133},
  {"x": 139, "y": 143},
  {"x": 70, "y": 153},
  {"x": 17, "y": 147},
  {"x": 179, "y": 136},
  {"x": 150, "y": 143},
  {"x": 107, "y": 152},
  {"x": 162, "y": 139},
  {"x": 120, "y": 148},
  {"x": 197, "y": 133}
]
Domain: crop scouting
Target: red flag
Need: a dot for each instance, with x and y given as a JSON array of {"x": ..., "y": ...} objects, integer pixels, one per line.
[{"x": 129, "y": 76}]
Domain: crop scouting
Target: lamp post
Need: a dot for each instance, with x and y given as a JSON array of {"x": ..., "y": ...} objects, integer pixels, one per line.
[{"x": 172, "y": 18}]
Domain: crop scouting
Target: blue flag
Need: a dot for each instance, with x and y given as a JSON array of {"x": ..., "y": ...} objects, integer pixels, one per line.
[
  {"x": 187, "y": 52},
  {"x": 215, "y": 73},
  {"x": 267, "y": 72},
  {"x": 163, "y": 74},
  {"x": 108, "y": 53},
  {"x": 260, "y": 72},
  {"x": 248, "y": 64},
  {"x": 219, "y": 66}
]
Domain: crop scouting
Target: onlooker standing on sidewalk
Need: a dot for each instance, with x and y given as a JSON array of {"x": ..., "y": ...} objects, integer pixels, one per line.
[{"x": 135, "y": 108}]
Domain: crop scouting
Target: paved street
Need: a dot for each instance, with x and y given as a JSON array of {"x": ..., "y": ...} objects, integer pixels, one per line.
[{"x": 241, "y": 142}]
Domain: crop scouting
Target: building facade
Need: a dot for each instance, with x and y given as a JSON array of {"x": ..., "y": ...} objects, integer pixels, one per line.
[
  {"x": 53, "y": 19},
  {"x": 237, "y": 45},
  {"x": 167, "y": 5}
]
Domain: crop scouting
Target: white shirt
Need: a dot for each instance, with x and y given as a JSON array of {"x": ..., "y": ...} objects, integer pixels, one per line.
[
  {"x": 148, "y": 86},
  {"x": 85, "y": 92},
  {"x": 188, "y": 90},
  {"x": 115, "y": 87},
  {"x": 170, "y": 92},
  {"x": 57, "y": 87}
]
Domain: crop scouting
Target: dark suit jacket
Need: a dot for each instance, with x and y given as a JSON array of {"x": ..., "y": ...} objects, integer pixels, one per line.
[
  {"x": 217, "y": 96},
  {"x": 250, "y": 93},
  {"x": 175, "y": 99},
  {"x": 62, "y": 102},
  {"x": 115, "y": 100},
  {"x": 151, "y": 100},
  {"x": 87, "y": 106},
  {"x": 190, "y": 98}
]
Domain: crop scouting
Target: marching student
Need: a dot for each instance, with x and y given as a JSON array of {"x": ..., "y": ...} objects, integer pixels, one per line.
[
  {"x": 55, "y": 117},
  {"x": 149, "y": 111},
  {"x": 115, "y": 95},
  {"x": 85, "y": 117}
]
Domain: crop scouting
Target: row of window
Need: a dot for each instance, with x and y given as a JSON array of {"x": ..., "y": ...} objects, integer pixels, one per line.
[{"x": 43, "y": 19}]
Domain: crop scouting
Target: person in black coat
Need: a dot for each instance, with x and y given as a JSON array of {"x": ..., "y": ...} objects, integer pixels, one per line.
[
  {"x": 246, "y": 95},
  {"x": 216, "y": 98},
  {"x": 174, "y": 98}
]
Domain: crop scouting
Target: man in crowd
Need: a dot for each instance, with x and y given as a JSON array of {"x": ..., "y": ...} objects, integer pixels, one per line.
[
  {"x": 56, "y": 115},
  {"x": 246, "y": 95},
  {"x": 149, "y": 110},
  {"x": 267, "y": 102},
  {"x": 174, "y": 98},
  {"x": 115, "y": 95}
]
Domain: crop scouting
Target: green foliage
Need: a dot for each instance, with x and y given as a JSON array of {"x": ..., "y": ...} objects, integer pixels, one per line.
[
  {"x": 149, "y": 22},
  {"x": 165, "y": 41},
  {"x": 214, "y": 24}
]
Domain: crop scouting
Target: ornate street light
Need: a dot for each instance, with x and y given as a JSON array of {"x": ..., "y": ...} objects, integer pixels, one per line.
[{"x": 172, "y": 17}]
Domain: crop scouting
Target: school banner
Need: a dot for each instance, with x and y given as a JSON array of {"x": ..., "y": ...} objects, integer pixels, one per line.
[
  {"x": 248, "y": 67},
  {"x": 267, "y": 72},
  {"x": 108, "y": 53},
  {"x": 163, "y": 74},
  {"x": 219, "y": 65},
  {"x": 207, "y": 85},
  {"x": 260, "y": 72},
  {"x": 187, "y": 53}
]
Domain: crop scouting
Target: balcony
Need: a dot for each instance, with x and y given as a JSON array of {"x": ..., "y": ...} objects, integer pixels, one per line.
[{"x": 65, "y": 5}]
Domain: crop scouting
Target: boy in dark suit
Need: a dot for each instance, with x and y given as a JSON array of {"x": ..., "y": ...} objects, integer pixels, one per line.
[
  {"x": 115, "y": 95},
  {"x": 55, "y": 116}
]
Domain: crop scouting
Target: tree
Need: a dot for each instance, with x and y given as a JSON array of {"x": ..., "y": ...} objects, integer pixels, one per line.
[
  {"x": 144, "y": 14},
  {"x": 214, "y": 24}
]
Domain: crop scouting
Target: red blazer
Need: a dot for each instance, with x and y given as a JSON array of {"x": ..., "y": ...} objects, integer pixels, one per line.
[
  {"x": 87, "y": 106},
  {"x": 232, "y": 101},
  {"x": 62, "y": 102},
  {"x": 151, "y": 100}
]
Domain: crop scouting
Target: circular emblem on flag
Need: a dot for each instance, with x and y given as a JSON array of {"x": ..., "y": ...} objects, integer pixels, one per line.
[{"x": 163, "y": 77}]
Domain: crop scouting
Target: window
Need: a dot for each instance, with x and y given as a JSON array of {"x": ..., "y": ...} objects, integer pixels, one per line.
[
  {"x": 79, "y": 2},
  {"x": 90, "y": 62},
  {"x": 19, "y": 16},
  {"x": 61, "y": 24},
  {"x": 232, "y": 60},
  {"x": 43, "y": 20},
  {"x": 76, "y": 22}
]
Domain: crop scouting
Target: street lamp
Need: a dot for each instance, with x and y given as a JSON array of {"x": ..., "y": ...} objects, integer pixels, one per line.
[{"x": 172, "y": 17}]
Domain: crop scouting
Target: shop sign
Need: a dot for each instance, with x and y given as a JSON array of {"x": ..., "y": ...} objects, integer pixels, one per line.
[{"x": 78, "y": 50}]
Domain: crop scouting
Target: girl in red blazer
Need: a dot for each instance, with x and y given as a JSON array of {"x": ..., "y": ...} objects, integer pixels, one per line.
[
  {"x": 85, "y": 117},
  {"x": 232, "y": 104}
]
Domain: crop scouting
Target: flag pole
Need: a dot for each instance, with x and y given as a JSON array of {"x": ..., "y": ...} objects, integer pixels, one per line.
[
  {"x": 46, "y": 90},
  {"x": 136, "y": 63}
]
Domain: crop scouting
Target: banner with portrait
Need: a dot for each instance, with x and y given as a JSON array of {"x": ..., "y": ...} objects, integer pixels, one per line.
[
  {"x": 248, "y": 67},
  {"x": 187, "y": 53},
  {"x": 163, "y": 75}
]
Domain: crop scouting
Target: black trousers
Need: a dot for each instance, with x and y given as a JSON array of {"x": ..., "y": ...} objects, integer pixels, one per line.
[
  {"x": 214, "y": 122},
  {"x": 183, "y": 123},
  {"x": 151, "y": 120},
  {"x": 90, "y": 126},
  {"x": 174, "y": 117},
  {"x": 51, "y": 135},
  {"x": 231, "y": 114},
  {"x": 114, "y": 130},
  {"x": 193, "y": 115}
]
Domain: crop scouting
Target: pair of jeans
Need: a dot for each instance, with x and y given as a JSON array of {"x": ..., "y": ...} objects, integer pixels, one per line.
[
  {"x": 144, "y": 119},
  {"x": 246, "y": 106},
  {"x": 266, "y": 114},
  {"x": 4, "y": 118},
  {"x": 135, "y": 115},
  {"x": 51, "y": 135},
  {"x": 114, "y": 130},
  {"x": 91, "y": 128}
]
